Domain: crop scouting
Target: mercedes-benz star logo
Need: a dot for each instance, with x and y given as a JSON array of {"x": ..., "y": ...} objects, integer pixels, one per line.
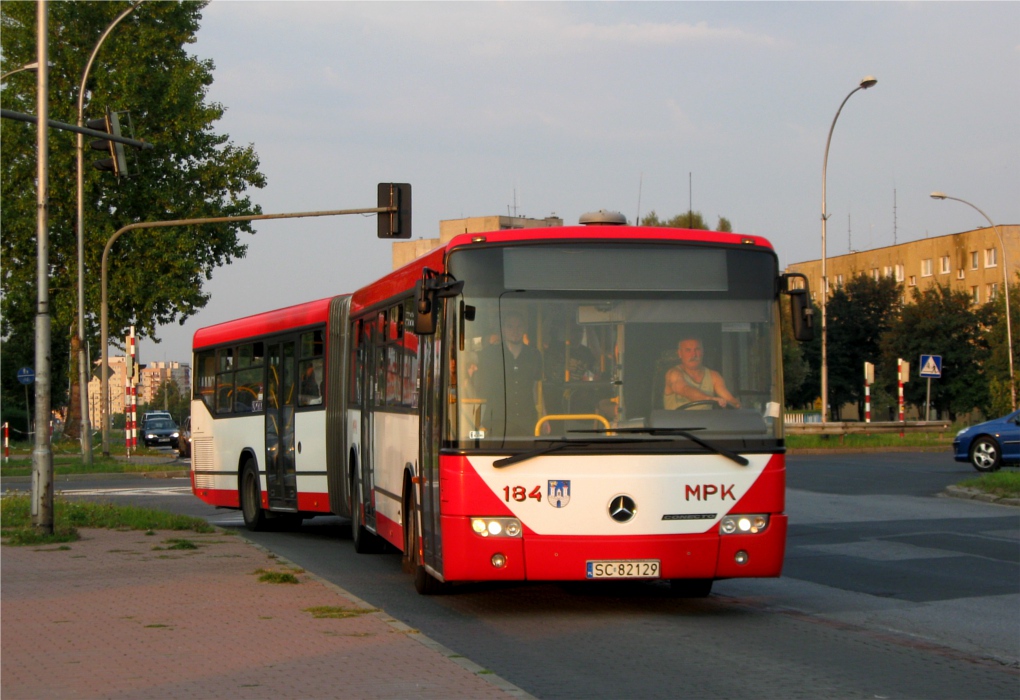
[{"x": 622, "y": 508}]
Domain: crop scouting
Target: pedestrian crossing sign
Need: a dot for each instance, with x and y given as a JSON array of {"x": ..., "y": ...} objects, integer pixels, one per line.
[{"x": 931, "y": 366}]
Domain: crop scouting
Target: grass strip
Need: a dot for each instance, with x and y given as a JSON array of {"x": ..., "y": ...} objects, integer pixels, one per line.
[
  {"x": 321, "y": 612},
  {"x": 1005, "y": 484},
  {"x": 69, "y": 515}
]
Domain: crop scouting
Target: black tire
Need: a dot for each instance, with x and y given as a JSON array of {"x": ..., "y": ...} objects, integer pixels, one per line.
[
  {"x": 691, "y": 587},
  {"x": 365, "y": 542},
  {"x": 985, "y": 454},
  {"x": 424, "y": 582},
  {"x": 251, "y": 498}
]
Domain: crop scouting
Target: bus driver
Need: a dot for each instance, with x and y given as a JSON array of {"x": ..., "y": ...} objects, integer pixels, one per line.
[{"x": 691, "y": 381}]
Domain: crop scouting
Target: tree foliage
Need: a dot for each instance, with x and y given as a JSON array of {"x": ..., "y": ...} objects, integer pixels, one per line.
[
  {"x": 688, "y": 219},
  {"x": 940, "y": 321},
  {"x": 858, "y": 314},
  {"x": 997, "y": 364},
  {"x": 155, "y": 276}
]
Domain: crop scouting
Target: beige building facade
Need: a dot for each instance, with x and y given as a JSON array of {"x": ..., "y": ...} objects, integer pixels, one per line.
[
  {"x": 406, "y": 251},
  {"x": 151, "y": 377},
  {"x": 969, "y": 261}
]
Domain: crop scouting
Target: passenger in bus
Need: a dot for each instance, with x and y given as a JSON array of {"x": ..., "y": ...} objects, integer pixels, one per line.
[
  {"x": 690, "y": 381},
  {"x": 522, "y": 370},
  {"x": 311, "y": 391}
]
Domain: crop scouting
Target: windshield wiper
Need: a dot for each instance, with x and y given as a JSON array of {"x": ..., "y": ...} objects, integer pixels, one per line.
[
  {"x": 559, "y": 444},
  {"x": 679, "y": 432}
]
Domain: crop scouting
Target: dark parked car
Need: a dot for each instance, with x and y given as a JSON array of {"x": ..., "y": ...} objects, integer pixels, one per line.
[
  {"x": 161, "y": 432},
  {"x": 184, "y": 440},
  {"x": 991, "y": 444}
]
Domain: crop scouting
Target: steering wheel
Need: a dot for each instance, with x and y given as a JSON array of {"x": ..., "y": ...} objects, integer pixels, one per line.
[{"x": 703, "y": 402}]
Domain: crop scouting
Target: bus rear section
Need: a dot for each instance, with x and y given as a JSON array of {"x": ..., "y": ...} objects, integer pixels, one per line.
[{"x": 262, "y": 387}]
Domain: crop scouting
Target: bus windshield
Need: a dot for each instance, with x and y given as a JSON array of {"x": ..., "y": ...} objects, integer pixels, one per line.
[{"x": 589, "y": 341}]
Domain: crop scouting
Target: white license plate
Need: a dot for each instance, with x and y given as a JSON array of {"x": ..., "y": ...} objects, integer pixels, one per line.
[{"x": 624, "y": 568}]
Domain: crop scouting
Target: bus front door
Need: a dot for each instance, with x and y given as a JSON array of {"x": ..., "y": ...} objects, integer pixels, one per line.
[{"x": 281, "y": 398}]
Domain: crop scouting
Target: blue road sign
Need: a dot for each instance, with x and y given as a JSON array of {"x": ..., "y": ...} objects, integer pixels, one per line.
[
  {"x": 931, "y": 366},
  {"x": 26, "y": 375}
]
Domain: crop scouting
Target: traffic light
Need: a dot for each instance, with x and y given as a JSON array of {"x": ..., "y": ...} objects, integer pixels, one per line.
[
  {"x": 394, "y": 224},
  {"x": 117, "y": 162}
]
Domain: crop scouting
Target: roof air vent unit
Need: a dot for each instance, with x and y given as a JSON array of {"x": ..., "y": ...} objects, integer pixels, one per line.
[{"x": 603, "y": 218}]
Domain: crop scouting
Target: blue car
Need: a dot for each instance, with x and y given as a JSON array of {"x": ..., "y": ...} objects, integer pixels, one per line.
[{"x": 991, "y": 444}]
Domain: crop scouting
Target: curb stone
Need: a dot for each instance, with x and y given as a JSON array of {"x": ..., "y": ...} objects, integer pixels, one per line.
[{"x": 971, "y": 494}]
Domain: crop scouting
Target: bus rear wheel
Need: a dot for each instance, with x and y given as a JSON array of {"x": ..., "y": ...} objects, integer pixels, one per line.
[
  {"x": 364, "y": 541},
  {"x": 251, "y": 498}
]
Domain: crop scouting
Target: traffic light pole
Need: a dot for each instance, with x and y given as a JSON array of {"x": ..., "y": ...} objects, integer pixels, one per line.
[{"x": 104, "y": 326}]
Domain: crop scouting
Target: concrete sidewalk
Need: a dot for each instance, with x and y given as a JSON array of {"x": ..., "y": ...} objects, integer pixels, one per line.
[{"x": 122, "y": 615}]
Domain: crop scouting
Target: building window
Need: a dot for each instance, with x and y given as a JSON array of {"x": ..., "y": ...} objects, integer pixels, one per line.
[
  {"x": 887, "y": 271},
  {"x": 991, "y": 257},
  {"x": 973, "y": 260},
  {"x": 944, "y": 265},
  {"x": 975, "y": 295},
  {"x": 899, "y": 273},
  {"x": 839, "y": 281},
  {"x": 874, "y": 273},
  {"x": 992, "y": 291},
  {"x": 959, "y": 274},
  {"x": 926, "y": 267},
  {"x": 913, "y": 280}
]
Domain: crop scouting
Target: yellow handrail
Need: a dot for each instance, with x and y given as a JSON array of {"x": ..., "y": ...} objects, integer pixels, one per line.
[{"x": 570, "y": 416}]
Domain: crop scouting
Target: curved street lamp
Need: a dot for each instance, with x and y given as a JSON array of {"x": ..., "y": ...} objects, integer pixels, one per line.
[
  {"x": 866, "y": 82},
  {"x": 33, "y": 66},
  {"x": 1005, "y": 285},
  {"x": 83, "y": 371}
]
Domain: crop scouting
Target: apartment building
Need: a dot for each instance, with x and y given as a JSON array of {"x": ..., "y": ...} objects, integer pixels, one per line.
[{"x": 970, "y": 261}]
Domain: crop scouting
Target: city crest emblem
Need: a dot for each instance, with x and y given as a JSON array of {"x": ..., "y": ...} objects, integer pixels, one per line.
[{"x": 558, "y": 494}]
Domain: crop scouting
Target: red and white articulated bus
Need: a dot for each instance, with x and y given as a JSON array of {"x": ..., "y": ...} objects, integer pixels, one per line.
[{"x": 498, "y": 409}]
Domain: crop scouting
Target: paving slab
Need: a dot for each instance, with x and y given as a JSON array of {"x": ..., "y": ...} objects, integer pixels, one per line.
[{"x": 124, "y": 614}]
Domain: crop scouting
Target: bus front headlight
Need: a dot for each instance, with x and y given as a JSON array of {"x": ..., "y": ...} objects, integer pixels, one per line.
[{"x": 743, "y": 524}]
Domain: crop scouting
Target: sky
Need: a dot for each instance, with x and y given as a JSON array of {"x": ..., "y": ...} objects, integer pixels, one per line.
[{"x": 541, "y": 108}]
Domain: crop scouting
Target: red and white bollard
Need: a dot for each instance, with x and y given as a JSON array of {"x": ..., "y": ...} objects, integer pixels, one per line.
[
  {"x": 7, "y": 443},
  {"x": 899, "y": 388}
]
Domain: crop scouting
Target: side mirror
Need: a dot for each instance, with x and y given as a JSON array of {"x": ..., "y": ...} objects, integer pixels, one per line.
[
  {"x": 424, "y": 304},
  {"x": 432, "y": 285},
  {"x": 802, "y": 315}
]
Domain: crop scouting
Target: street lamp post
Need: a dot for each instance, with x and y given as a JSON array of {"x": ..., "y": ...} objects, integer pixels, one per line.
[
  {"x": 866, "y": 83},
  {"x": 83, "y": 370},
  {"x": 1005, "y": 286}
]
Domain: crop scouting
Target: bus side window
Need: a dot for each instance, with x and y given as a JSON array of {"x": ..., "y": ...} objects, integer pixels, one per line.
[
  {"x": 224, "y": 380},
  {"x": 357, "y": 362},
  {"x": 205, "y": 378}
]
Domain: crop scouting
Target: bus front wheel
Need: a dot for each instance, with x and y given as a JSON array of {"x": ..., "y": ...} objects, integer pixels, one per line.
[
  {"x": 691, "y": 587},
  {"x": 251, "y": 498}
]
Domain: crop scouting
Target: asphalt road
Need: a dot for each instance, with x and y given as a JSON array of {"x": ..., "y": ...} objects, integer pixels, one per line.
[{"x": 888, "y": 591}]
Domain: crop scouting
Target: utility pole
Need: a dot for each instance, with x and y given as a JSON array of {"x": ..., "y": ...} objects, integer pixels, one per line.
[{"x": 42, "y": 452}]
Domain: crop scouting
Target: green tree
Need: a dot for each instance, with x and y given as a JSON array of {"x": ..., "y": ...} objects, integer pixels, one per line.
[
  {"x": 689, "y": 219},
  {"x": 859, "y": 313},
  {"x": 156, "y": 277},
  {"x": 997, "y": 365},
  {"x": 939, "y": 321}
]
